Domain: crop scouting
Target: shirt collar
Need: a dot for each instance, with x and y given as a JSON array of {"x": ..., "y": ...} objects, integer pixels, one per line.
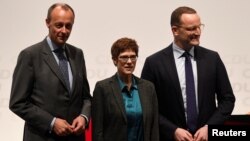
[
  {"x": 123, "y": 85},
  {"x": 179, "y": 51},
  {"x": 52, "y": 45}
]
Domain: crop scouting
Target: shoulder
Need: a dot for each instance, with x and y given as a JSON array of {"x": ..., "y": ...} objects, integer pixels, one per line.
[
  {"x": 73, "y": 48},
  {"x": 160, "y": 54},
  {"x": 105, "y": 85},
  {"x": 144, "y": 82},
  {"x": 106, "y": 81},
  {"x": 33, "y": 50},
  {"x": 205, "y": 50},
  {"x": 202, "y": 52}
]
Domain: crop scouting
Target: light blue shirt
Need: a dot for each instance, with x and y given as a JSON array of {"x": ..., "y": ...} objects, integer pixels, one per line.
[
  {"x": 53, "y": 47},
  {"x": 180, "y": 66},
  {"x": 133, "y": 109}
]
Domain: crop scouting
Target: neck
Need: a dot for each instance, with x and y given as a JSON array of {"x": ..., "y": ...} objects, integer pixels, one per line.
[
  {"x": 127, "y": 79},
  {"x": 185, "y": 47}
]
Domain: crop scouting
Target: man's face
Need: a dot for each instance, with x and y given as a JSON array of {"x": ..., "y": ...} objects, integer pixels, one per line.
[
  {"x": 188, "y": 33},
  {"x": 60, "y": 25}
]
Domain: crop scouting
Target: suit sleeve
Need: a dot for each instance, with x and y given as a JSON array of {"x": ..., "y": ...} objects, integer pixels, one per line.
[
  {"x": 225, "y": 95},
  {"x": 98, "y": 113},
  {"x": 86, "y": 109},
  {"x": 155, "y": 129},
  {"x": 22, "y": 88}
]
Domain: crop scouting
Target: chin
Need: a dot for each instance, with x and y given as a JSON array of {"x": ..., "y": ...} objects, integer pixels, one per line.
[
  {"x": 128, "y": 73},
  {"x": 195, "y": 43}
]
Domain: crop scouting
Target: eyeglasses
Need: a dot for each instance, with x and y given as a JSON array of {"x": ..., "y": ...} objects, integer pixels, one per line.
[
  {"x": 125, "y": 59},
  {"x": 192, "y": 28}
]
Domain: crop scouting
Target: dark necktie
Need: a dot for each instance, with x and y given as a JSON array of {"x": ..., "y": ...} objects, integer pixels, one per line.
[
  {"x": 190, "y": 95},
  {"x": 63, "y": 65}
]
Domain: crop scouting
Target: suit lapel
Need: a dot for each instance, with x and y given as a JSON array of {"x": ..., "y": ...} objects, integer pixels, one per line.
[
  {"x": 50, "y": 60},
  {"x": 118, "y": 96},
  {"x": 200, "y": 74},
  {"x": 171, "y": 69},
  {"x": 142, "y": 91}
]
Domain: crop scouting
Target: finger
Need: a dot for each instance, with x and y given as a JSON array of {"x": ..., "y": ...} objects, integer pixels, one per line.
[
  {"x": 78, "y": 132},
  {"x": 68, "y": 129},
  {"x": 77, "y": 128}
]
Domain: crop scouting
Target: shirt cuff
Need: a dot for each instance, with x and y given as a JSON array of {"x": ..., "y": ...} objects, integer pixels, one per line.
[
  {"x": 52, "y": 125},
  {"x": 86, "y": 118}
]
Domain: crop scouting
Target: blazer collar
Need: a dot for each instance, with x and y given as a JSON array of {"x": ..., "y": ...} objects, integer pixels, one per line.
[
  {"x": 116, "y": 91},
  {"x": 118, "y": 97},
  {"x": 50, "y": 60}
]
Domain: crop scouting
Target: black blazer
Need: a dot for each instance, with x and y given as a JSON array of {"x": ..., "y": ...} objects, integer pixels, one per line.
[
  {"x": 39, "y": 93},
  {"x": 213, "y": 82},
  {"x": 109, "y": 115}
]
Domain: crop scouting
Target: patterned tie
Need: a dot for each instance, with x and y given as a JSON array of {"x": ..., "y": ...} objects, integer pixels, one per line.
[
  {"x": 190, "y": 95},
  {"x": 63, "y": 65}
]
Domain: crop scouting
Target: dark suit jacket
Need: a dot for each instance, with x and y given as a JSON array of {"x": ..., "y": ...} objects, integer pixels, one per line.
[
  {"x": 109, "y": 115},
  {"x": 213, "y": 82},
  {"x": 39, "y": 92}
]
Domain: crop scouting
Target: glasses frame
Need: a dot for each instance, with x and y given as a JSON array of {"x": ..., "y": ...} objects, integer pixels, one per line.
[
  {"x": 192, "y": 28},
  {"x": 124, "y": 59}
]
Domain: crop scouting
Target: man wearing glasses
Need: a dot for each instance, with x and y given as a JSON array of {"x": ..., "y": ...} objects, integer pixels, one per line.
[{"x": 191, "y": 82}]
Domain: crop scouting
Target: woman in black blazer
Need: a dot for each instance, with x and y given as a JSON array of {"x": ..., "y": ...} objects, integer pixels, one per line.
[{"x": 124, "y": 106}]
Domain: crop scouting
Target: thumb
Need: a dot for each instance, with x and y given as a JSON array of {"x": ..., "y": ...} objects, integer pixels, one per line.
[{"x": 74, "y": 124}]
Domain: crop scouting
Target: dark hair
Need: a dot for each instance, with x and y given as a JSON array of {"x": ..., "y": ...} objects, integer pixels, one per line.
[
  {"x": 177, "y": 13},
  {"x": 122, "y": 45},
  {"x": 62, "y": 5}
]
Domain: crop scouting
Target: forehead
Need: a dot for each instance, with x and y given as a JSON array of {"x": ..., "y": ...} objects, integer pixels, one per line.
[
  {"x": 190, "y": 19},
  {"x": 128, "y": 52},
  {"x": 60, "y": 13}
]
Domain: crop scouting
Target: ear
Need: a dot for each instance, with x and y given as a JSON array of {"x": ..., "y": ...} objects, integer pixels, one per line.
[
  {"x": 47, "y": 22},
  {"x": 174, "y": 30},
  {"x": 115, "y": 62}
]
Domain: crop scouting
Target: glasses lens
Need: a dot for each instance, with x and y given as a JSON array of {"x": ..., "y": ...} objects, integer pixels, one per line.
[
  {"x": 193, "y": 28},
  {"x": 126, "y": 58}
]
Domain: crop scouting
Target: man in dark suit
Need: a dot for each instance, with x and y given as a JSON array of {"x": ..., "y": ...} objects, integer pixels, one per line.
[
  {"x": 55, "y": 104},
  {"x": 166, "y": 69}
]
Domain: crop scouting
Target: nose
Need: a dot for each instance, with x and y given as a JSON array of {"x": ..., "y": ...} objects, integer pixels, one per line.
[
  {"x": 64, "y": 29},
  {"x": 197, "y": 31},
  {"x": 129, "y": 60}
]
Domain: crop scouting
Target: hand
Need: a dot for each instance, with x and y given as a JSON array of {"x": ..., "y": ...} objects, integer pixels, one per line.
[
  {"x": 201, "y": 134},
  {"x": 182, "y": 135},
  {"x": 62, "y": 127},
  {"x": 79, "y": 125}
]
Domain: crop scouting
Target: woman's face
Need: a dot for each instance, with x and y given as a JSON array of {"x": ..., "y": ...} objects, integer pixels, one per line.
[{"x": 126, "y": 62}]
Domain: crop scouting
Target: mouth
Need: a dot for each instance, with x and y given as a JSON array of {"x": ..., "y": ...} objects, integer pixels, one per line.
[
  {"x": 129, "y": 68},
  {"x": 62, "y": 37},
  {"x": 195, "y": 38}
]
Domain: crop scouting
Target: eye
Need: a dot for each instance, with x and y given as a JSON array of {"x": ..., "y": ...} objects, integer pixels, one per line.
[
  {"x": 133, "y": 57},
  {"x": 192, "y": 28},
  {"x": 58, "y": 25},
  {"x": 68, "y": 26}
]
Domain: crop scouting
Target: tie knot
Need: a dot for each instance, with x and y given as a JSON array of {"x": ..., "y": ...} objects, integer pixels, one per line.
[
  {"x": 186, "y": 54},
  {"x": 59, "y": 50},
  {"x": 60, "y": 53}
]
